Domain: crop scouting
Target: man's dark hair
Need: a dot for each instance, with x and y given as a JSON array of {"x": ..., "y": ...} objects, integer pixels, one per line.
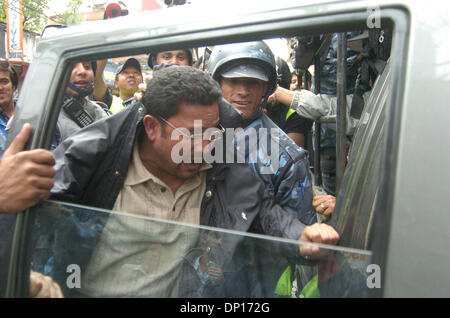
[
  {"x": 175, "y": 85},
  {"x": 13, "y": 76}
]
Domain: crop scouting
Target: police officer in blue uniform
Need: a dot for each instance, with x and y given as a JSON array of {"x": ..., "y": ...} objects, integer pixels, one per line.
[{"x": 247, "y": 75}]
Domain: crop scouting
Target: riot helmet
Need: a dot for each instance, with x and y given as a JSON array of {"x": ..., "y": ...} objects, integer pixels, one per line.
[
  {"x": 283, "y": 73},
  {"x": 226, "y": 57},
  {"x": 152, "y": 57}
]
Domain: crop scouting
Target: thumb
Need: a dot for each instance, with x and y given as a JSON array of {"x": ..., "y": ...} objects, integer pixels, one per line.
[{"x": 18, "y": 144}]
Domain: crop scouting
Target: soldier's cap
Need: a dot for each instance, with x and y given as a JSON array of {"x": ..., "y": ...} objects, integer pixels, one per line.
[
  {"x": 130, "y": 62},
  {"x": 246, "y": 70}
]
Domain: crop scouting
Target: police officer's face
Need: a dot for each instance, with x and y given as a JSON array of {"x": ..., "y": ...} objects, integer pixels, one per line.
[
  {"x": 245, "y": 94},
  {"x": 177, "y": 57},
  {"x": 82, "y": 76},
  {"x": 6, "y": 89}
]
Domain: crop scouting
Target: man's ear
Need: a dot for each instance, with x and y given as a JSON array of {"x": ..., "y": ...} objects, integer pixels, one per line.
[
  {"x": 116, "y": 84},
  {"x": 152, "y": 127}
]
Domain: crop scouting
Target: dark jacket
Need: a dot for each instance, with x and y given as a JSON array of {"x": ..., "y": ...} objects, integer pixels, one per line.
[
  {"x": 290, "y": 179},
  {"x": 91, "y": 168}
]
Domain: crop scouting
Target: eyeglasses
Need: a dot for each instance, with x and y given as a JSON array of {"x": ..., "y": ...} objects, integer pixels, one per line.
[{"x": 218, "y": 133}]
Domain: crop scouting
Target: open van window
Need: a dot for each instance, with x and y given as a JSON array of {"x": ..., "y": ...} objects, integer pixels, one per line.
[{"x": 372, "y": 180}]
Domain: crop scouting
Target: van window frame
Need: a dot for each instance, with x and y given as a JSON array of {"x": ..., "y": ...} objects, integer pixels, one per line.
[{"x": 45, "y": 119}]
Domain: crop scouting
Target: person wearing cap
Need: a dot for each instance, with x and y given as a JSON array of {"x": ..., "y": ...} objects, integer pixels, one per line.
[
  {"x": 244, "y": 86},
  {"x": 247, "y": 75},
  {"x": 127, "y": 79}
]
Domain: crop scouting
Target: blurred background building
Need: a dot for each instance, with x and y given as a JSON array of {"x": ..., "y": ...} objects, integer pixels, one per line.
[{"x": 67, "y": 12}]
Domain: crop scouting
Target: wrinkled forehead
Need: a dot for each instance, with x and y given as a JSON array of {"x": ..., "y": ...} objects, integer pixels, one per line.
[{"x": 204, "y": 115}]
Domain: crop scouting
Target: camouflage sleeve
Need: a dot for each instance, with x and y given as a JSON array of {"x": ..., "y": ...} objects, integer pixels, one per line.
[{"x": 322, "y": 107}]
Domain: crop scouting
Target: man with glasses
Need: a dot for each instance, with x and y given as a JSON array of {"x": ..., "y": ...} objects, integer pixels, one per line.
[{"x": 129, "y": 163}]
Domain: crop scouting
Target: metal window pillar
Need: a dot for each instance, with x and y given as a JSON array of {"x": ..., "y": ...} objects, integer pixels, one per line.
[
  {"x": 341, "y": 122},
  {"x": 317, "y": 125}
]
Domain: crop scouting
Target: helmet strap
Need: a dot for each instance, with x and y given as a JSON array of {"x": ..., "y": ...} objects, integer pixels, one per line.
[{"x": 82, "y": 92}]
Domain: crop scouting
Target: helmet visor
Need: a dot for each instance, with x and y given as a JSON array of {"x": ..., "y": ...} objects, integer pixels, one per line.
[{"x": 247, "y": 70}]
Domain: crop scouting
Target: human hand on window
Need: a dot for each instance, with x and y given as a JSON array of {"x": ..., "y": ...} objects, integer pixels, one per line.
[
  {"x": 25, "y": 176},
  {"x": 42, "y": 286},
  {"x": 317, "y": 233},
  {"x": 142, "y": 87},
  {"x": 324, "y": 204}
]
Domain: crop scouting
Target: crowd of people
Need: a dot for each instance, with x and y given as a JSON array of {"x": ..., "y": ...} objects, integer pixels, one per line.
[{"x": 117, "y": 154}]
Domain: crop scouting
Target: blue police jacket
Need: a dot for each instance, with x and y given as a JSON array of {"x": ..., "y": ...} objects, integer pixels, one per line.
[{"x": 284, "y": 171}]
